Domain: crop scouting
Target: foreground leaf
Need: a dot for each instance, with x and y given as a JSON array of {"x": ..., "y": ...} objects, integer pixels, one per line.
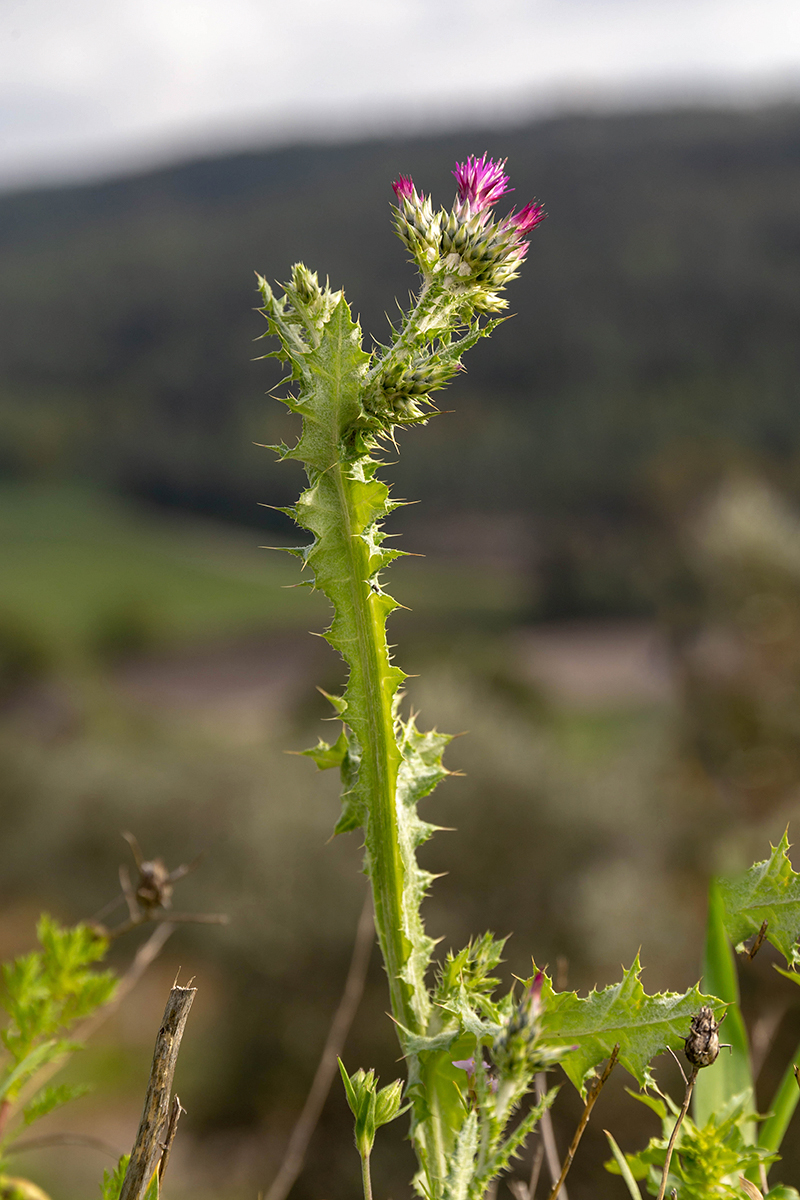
[
  {"x": 769, "y": 891},
  {"x": 644, "y": 1026}
]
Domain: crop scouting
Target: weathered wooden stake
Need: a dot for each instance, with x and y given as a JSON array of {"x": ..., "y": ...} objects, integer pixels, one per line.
[{"x": 155, "y": 1114}]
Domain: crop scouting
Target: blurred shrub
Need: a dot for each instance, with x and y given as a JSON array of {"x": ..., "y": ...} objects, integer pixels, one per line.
[
  {"x": 123, "y": 630},
  {"x": 738, "y": 649},
  {"x": 24, "y": 656}
]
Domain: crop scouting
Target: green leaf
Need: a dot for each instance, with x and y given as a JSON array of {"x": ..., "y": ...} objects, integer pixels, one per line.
[
  {"x": 643, "y": 1025},
  {"x": 43, "y": 1053},
  {"x": 52, "y": 1097},
  {"x": 731, "y": 1072},
  {"x": 511, "y": 1146},
  {"x": 781, "y": 1108},
  {"x": 462, "y": 1163},
  {"x": 769, "y": 891},
  {"x": 624, "y": 1169},
  {"x": 326, "y": 755},
  {"x": 112, "y": 1183}
]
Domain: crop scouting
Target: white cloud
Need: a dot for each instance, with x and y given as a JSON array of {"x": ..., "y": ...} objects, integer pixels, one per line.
[{"x": 89, "y": 84}]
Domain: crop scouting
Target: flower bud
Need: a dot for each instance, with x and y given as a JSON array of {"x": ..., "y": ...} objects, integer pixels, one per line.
[{"x": 370, "y": 1107}]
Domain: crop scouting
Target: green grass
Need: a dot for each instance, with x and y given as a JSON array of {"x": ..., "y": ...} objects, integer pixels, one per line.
[
  {"x": 75, "y": 563},
  {"x": 73, "y": 560}
]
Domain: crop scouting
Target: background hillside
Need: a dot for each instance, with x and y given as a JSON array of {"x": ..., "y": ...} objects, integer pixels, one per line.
[{"x": 657, "y": 335}]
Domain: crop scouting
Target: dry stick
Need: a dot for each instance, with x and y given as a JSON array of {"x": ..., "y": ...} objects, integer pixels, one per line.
[
  {"x": 302, "y": 1133},
  {"x": 595, "y": 1088},
  {"x": 156, "y": 1104},
  {"x": 172, "y": 1128},
  {"x": 548, "y": 1137},
  {"x": 147, "y": 953},
  {"x": 673, "y": 1138},
  {"x": 536, "y": 1167},
  {"x": 527, "y": 1191},
  {"x": 759, "y": 939}
]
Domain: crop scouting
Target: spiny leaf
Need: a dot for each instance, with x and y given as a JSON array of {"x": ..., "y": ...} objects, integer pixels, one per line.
[
  {"x": 459, "y": 1176},
  {"x": 513, "y": 1144},
  {"x": 769, "y": 891},
  {"x": 643, "y": 1025},
  {"x": 326, "y": 755}
]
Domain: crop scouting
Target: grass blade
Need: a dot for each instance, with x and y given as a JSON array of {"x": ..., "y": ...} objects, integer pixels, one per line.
[
  {"x": 783, "y": 1104},
  {"x": 625, "y": 1170},
  {"x": 731, "y": 1072}
]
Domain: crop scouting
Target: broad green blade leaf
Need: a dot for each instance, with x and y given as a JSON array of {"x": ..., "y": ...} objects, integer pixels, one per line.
[
  {"x": 781, "y": 1108},
  {"x": 769, "y": 891},
  {"x": 731, "y": 1072},
  {"x": 643, "y": 1025},
  {"x": 624, "y": 1169}
]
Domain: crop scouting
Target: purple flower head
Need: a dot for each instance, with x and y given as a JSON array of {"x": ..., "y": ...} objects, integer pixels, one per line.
[
  {"x": 481, "y": 182},
  {"x": 403, "y": 187},
  {"x": 528, "y": 217}
]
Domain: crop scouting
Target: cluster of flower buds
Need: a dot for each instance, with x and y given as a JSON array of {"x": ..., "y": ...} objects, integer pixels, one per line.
[
  {"x": 407, "y": 383},
  {"x": 518, "y": 1050},
  {"x": 467, "y": 248},
  {"x": 305, "y": 305}
]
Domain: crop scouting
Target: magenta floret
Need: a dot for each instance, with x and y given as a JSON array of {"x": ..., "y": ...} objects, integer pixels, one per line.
[
  {"x": 481, "y": 182},
  {"x": 528, "y": 217},
  {"x": 403, "y": 187}
]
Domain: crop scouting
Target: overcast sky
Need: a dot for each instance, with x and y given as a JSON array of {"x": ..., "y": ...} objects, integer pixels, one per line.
[{"x": 90, "y": 87}]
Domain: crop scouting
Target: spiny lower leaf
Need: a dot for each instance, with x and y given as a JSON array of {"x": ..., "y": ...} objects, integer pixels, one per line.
[
  {"x": 644, "y": 1026},
  {"x": 769, "y": 891},
  {"x": 459, "y": 1176}
]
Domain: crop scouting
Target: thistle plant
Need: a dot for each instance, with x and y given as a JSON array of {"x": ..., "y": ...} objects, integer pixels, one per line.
[{"x": 471, "y": 1056}]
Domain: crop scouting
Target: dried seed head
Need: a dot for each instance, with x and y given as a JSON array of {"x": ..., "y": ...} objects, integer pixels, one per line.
[{"x": 702, "y": 1045}]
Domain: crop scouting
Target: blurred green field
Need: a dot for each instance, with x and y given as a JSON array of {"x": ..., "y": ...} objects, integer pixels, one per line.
[{"x": 78, "y": 565}]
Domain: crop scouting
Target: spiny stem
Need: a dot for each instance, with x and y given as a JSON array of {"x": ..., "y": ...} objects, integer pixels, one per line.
[
  {"x": 671, "y": 1146},
  {"x": 380, "y": 760},
  {"x": 595, "y": 1088}
]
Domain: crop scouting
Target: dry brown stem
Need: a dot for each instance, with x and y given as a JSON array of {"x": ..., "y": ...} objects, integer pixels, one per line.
[
  {"x": 301, "y": 1135},
  {"x": 548, "y": 1137},
  {"x": 172, "y": 1128},
  {"x": 674, "y": 1136},
  {"x": 595, "y": 1088},
  {"x": 155, "y": 1114},
  {"x": 758, "y": 941}
]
